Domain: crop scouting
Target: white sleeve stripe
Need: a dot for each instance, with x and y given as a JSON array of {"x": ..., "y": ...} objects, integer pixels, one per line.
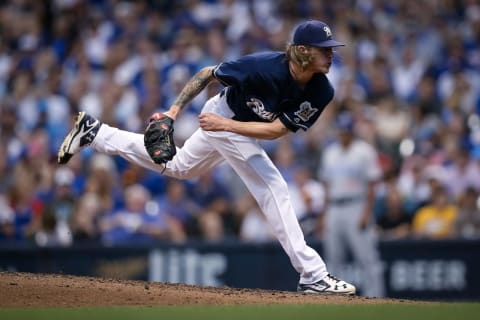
[
  {"x": 216, "y": 77},
  {"x": 295, "y": 124},
  {"x": 216, "y": 68}
]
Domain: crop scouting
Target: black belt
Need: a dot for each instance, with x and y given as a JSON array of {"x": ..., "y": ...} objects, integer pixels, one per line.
[
  {"x": 222, "y": 93},
  {"x": 344, "y": 201}
]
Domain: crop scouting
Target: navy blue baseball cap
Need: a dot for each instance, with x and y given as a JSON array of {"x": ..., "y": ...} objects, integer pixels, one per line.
[{"x": 314, "y": 33}]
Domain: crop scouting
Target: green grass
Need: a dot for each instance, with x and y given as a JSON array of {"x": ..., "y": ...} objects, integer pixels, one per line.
[{"x": 457, "y": 311}]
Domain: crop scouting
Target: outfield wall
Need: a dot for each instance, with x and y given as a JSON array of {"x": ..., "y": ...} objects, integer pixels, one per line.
[{"x": 444, "y": 270}]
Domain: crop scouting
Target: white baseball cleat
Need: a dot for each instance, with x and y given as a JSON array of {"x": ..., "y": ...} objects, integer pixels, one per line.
[
  {"x": 84, "y": 131},
  {"x": 328, "y": 285}
]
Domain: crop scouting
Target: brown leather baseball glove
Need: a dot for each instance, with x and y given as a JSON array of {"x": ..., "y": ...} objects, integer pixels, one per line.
[{"x": 158, "y": 138}]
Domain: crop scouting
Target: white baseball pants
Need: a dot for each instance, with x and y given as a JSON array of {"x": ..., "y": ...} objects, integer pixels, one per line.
[{"x": 205, "y": 149}]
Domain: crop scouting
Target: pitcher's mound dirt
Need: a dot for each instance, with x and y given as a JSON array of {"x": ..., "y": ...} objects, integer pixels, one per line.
[{"x": 48, "y": 290}]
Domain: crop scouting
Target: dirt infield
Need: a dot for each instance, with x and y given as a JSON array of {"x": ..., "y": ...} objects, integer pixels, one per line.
[{"x": 46, "y": 290}]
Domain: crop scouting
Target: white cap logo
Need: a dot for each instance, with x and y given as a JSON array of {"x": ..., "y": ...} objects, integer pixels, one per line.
[{"x": 327, "y": 31}]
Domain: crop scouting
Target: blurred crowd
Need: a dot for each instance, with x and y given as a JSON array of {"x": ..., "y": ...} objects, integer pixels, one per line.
[{"x": 410, "y": 75}]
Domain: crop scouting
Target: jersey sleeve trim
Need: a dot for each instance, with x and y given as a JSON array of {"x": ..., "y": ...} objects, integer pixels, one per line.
[
  {"x": 291, "y": 125},
  {"x": 214, "y": 73}
]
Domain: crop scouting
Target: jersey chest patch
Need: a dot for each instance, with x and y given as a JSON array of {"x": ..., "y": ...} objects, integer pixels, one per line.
[{"x": 306, "y": 111}]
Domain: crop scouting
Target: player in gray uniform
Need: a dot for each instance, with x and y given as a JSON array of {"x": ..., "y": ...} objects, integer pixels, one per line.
[
  {"x": 349, "y": 171},
  {"x": 266, "y": 96}
]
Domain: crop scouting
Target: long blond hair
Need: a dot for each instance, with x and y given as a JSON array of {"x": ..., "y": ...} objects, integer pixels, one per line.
[{"x": 294, "y": 54}]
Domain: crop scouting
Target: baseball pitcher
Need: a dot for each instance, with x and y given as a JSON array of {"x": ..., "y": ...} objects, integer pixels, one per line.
[{"x": 266, "y": 96}]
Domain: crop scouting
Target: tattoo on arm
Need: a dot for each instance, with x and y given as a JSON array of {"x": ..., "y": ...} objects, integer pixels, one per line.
[{"x": 194, "y": 86}]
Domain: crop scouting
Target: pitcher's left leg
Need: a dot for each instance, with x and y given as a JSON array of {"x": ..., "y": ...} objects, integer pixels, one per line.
[{"x": 267, "y": 186}]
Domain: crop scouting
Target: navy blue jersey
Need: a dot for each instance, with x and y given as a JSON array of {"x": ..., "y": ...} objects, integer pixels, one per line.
[{"x": 261, "y": 88}]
